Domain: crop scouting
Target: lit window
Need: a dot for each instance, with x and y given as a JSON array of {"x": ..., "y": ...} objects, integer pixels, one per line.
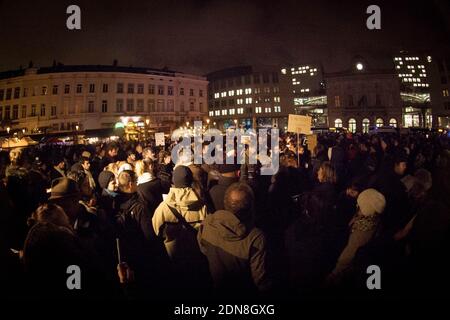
[
  {"x": 240, "y": 110},
  {"x": 223, "y": 94},
  {"x": 224, "y": 112},
  {"x": 393, "y": 122},
  {"x": 268, "y": 110},
  {"x": 365, "y": 125},
  {"x": 258, "y": 109},
  {"x": 276, "y": 99},
  {"x": 248, "y": 100},
  {"x": 352, "y": 125},
  {"x": 379, "y": 122},
  {"x": 240, "y": 101},
  {"x": 429, "y": 58},
  {"x": 232, "y": 111},
  {"x": 248, "y": 91},
  {"x": 239, "y": 92},
  {"x": 283, "y": 71},
  {"x": 401, "y": 62},
  {"x": 338, "y": 123},
  {"x": 217, "y": 112},
  {"x": 231, "y": 93},
  {"x": 277, "y": 109},
  {"x": 211, "y": 113},
  {"x": 216, "y": 95}
]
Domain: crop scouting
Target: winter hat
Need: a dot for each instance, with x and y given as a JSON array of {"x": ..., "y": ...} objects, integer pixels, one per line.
[
  {"x": 182, "y": 177},
  {"x": 104, "y": 178},
  {"x": 371, "y": 202},
  {"x": 63, "y": 187},
  {"x": 227, "y": 168},
  {"x": 86, "y": 154},
  {"x": 125, "y": 166}
]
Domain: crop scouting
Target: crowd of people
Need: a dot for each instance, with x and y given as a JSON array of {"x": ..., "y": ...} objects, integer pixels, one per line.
[{"x": 139, "y": 226}]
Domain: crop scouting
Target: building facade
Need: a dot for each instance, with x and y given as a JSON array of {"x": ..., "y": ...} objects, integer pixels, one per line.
[
  {"x": 414, "y": 73},
  {"x": 440, "y": 92},
  {"x": 362, "y": 97},
  {"x": 67, "y": 98},
  {"x": 246, "y": 97},
  {"x": 302, "y": 89}
]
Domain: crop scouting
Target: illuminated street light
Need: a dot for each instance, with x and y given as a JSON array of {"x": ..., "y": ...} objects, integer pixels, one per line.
[
  {"x": 8, "y": 129},
  {"x": 359, "y": 66}
]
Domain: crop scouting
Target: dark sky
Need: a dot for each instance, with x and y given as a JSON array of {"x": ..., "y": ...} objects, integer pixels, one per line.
[{"x": 203, "y": 36}]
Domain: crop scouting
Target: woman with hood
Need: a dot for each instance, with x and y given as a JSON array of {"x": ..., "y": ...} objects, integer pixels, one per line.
[{"x": 176, "y": 221}]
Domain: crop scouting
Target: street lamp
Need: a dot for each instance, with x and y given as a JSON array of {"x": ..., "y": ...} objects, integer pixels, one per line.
[
  {"x": 76, "y": 134},
  {"x": 147, "y": 122},
  {"x": 8, "y": 129}
]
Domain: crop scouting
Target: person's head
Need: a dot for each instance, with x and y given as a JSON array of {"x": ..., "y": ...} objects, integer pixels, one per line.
[
  {"x": 59, "y": 162},
  {"x": 182, "y": 177},
  {"x": 123, "y": 165},
  {"x": 112, "y": 150},
  {"x": 239, "y": 200},
  {"x": 355, "y": 188},
  {"x": 370, "y": 203},
  {"x": 127, "y": 181},
  {"x": 51, "y": 213},
  {"x": 113, "y": 167},
  {"x": 326, "y": 173},
  {"x": 82, "y": 181},
  {"x": 165, "y": 157},
  {"x": 85, "y": 163},
  {"x": 107, "y": 180},
  {"x": 14, "y": 155},
  {"x": 228, "y": 170},
  {"x": 139, "y": 148},
  {"x": 400, "y": 163},
  {"x": 131, "y": 156},
  {"x": 149, "y": 153},
  {"x": 139, "y": 167}
]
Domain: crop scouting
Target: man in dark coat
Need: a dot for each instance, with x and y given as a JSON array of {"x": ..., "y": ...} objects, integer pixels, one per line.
[
  {"x": 228, "y": 176},
  {"x": 235, "y": 249},
  {"x": 388, "y": 182},
  {"x": 140, "y": 247}
]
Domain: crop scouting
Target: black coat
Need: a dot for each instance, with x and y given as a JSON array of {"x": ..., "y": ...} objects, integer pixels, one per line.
[
  {"x": 151, "y": 193},
  {"x": 140, "y": 248},
  {"x": 217, "y": 193}
]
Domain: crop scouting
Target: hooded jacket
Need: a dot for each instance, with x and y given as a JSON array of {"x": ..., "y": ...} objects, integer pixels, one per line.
[
  {"x": 179, "y": 241},
  {"x": 236, "y": 253}
]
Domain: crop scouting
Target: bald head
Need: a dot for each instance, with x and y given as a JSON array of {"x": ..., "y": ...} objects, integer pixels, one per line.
[{"x": 239, "y": 199}]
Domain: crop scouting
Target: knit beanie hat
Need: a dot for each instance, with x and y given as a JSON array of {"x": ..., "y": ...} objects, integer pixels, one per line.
[
  {"x": 371, "y": 202},
  {"x": 182, "y": 177},
  {"x": 104, "y": 178}
]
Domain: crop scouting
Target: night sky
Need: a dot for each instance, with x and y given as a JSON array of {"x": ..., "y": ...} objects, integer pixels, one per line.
[{"x": 204, "y": 36}]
